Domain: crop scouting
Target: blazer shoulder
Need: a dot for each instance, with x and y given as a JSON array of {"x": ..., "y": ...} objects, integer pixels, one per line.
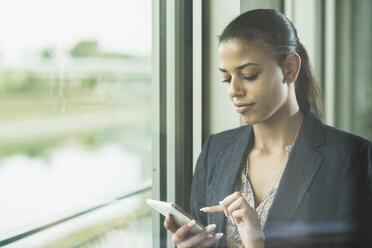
[{"x": 343, "y": 140}]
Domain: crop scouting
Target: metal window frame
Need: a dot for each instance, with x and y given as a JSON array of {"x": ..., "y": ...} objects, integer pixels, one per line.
[
  {"x": 172, "y": 107},
  {"x": 344, "y": 72},
  {"x": 329, "y": 62},
  {"x": 197, "y": 62},
  {"x": 159, "y": 170},
  {"x": 29, "y": 231}
]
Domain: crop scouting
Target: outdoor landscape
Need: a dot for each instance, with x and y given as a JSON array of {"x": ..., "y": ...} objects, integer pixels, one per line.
[{"x": 75, "y": 129}]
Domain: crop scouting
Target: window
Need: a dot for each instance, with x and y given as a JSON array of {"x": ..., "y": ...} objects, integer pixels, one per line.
[
  {"x": 353, "y": 65},
  {"x": 75, "y": 114}
]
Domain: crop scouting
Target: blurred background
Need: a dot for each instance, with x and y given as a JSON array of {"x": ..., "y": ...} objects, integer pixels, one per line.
[{"x": 75, "y": 119}]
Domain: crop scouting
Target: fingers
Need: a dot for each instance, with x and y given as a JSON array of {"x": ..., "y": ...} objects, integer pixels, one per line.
[
  {"x": 238, "y": 215},
  {"x": 223, "y": 204},
  {"x": 211, "y": 241},
  {"x": 254, "y": 231},
  {"x": 212, "y": 209},
  {"x": 230, "y": 204},
  {"x": 199, "y": 237},
  {"x": 231, "y": 198},
  {"x": 238, "y": 210},
  {"x": 170, "y": 224},
  {"x": 182, "y": 237},
  {"x": 224, "y": 208},
  {"x": 182, "y": 232},
  {"x": 239, "y": 203},
  {"x": 196, "y": 240}
]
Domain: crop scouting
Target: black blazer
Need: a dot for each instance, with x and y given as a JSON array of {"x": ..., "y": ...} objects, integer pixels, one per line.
[{"x": 323, "y": 198}]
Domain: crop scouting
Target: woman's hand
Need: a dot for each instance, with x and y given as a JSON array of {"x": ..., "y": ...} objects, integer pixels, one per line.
[
  {"x": 182, "y": 238},
  {"x": 244, "y": 216}
]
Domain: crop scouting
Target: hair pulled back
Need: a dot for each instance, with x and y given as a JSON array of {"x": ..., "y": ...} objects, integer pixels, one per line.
[{"x": 273, "y": 28}]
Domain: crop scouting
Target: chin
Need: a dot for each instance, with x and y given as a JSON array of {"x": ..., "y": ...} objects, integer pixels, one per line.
[
  {"x": 252, "y": 119},
  {"x": 248, "y": 120}
]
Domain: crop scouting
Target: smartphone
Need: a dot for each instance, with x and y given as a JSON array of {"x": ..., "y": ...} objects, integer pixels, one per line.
[{"x": 179, "y": 215}]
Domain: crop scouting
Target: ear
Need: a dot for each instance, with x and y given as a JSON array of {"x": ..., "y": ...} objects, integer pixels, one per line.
[{"x": 291, "y": 67}]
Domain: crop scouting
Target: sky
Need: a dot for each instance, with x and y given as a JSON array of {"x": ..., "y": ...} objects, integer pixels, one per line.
[{"x": 119, "y": 25}]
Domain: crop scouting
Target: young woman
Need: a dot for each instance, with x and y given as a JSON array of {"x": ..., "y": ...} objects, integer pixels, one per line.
[{"x": 286, "y": 179}]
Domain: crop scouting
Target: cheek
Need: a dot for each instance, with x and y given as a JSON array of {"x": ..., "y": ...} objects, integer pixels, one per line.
[
  {"x": 272, "y": 92},
  {"x": 278, "y": 95}
]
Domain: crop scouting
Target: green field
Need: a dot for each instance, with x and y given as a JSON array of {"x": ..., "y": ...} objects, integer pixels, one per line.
[{"x": 90, "y": 110}]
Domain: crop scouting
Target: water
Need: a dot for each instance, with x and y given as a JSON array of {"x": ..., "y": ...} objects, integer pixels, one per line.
[{"x": 33, "y": 188}]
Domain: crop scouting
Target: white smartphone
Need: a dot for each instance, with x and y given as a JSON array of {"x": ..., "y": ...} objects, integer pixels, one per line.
[{"x": 179, "y": 215}]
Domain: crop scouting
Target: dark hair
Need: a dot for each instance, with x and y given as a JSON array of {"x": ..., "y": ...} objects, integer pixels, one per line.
[{"x": 273, "y": 28}]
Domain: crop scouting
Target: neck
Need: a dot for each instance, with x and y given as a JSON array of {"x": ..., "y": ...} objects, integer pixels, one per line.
[{"x": 279, "y": 131}]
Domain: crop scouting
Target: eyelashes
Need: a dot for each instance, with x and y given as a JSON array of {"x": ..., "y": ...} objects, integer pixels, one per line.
[{"x": 250, "y": 78}]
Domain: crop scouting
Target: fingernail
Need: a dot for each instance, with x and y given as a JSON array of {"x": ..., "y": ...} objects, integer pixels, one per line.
[
  {"x": 210, "y": 228},
  {"x": 218, "y": 235},
  {"x": 191, "y": 223}
]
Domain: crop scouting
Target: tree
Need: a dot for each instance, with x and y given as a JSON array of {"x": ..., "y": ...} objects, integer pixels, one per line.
[{"x": 86, "y": 48}]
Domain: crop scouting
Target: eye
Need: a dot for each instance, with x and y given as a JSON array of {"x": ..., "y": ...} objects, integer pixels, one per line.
[
  {"x": 250, "y": 78},
  {"x": 226, "y": 80}
]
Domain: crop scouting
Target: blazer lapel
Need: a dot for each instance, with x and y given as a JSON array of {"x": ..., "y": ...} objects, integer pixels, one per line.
[
  {"x": 232, "y": 160},
  {"x": 226, "y": 173},
  {"x": 301, "y": 168}
]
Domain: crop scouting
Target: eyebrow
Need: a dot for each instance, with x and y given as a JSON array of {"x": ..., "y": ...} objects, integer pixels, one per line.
[{"x": 240, "y": 67}]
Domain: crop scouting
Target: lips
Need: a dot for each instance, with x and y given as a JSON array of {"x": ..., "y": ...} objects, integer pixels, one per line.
[{"x": 243, "y": 107}]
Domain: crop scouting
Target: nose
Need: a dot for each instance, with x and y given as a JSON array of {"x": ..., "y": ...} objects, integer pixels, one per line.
[{"x": 236, "y": 87}]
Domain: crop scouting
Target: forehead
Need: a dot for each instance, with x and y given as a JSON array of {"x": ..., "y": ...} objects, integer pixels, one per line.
[{"x": 234, "y": 53}]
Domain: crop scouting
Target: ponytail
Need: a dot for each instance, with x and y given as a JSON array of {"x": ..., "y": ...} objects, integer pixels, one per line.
[{"x": 307, "y": 91}]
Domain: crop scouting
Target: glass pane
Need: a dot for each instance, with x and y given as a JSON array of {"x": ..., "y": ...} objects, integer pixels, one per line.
[
  {"x": 353, "y": 67},
  {"x": 130, "y": 227},
  {"x": 362, "y": 61},
  {"x": 75, "y": 105}
]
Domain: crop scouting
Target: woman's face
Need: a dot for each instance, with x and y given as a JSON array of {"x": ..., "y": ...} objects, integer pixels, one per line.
[{"x": 254, "y": 80}]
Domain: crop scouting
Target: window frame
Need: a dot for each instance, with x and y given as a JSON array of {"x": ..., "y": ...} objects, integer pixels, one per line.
[{"x": 172, "y": 107}]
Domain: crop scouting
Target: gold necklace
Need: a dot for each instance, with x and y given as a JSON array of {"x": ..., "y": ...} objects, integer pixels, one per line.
[{"x": 287, "y": 151}]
